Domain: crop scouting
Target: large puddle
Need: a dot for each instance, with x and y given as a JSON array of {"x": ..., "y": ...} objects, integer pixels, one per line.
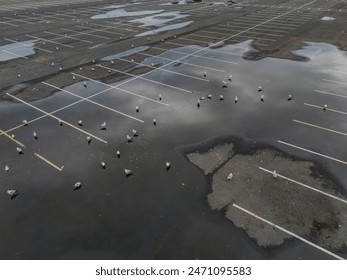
[
  {"x": 159, "y": 213},
  {"x": 17, "y": 50}
]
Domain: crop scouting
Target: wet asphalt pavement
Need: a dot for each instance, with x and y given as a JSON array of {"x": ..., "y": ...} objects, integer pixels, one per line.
[{"x": 158, "y": 213}]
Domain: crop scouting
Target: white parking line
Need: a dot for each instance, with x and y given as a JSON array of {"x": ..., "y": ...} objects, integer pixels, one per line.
[
  {"x": 48, "y": 162},
  {"x": 287, "y": 231},
  {"x": 11, "y": 24},
  {"x": 312, "y": 152},
  {"x": 304, "y": 185},
  {"x": 96, "y": 103},
  {"x": 327, "y": 109},
  {"x": 12, "y": 19},
  {"x": 145, "y": 79},
  {"x": 337, "y": 71},
  {"x": 333, "y": 81},
  {"x": 19, "y": 43},
  {"x": 118, "y": 87},
  {"x": 320, "y": 127},
  {"x": 54, "y": 117},
  {"x": 17, "y": 55},
  {"x": 84, "y": 33},
  {"x": 330, "y": 93},
  {"x": 103, "y": 30},
  {"x": 165, "y": 70},
  {"x": 67, "y": 36},
  {"x": 184, "y": 63},
  {"x": 51, "y": 41}
]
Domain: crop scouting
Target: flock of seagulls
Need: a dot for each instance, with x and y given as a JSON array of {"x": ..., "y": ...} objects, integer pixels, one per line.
[{"x": 78, "y": 185}]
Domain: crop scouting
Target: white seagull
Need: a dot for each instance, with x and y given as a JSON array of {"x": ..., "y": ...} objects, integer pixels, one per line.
[
  {"x": 103, "y": 165},
  {"x": 209, "y": 96},
  {"x": 205, "y": 74},
  {"x": 168, "y": 165},
  {"x": 19, "y": 151},
  {"x": 127, "y": 172},
  {"x": 154, "y": 121},
  {"x": 260, "y": 88},
  {"x": 35, "y": 134},
  {"x": 129, "y": 138},
  {"x": 236, "y": 99},
  {"x": 290, "y": 97},
  {"x": 135, "y": 133},
  {"x": 12, "y": 193},
  {"x": 274, "y": 174},
  {"x": 89, "y": 139},
  {"x": 221, "y": 97},
  {"x": 230, "y": 77},
  {"x": 77, "y": 186},
  {"x": 25, "y": 122},
  {"x": 80, "y": 123},
  {"x": 262, "y": 98},
  {"x": 7, "y": 168},
  {"x": 103, "y": 126},
  {"x": 225, "y": 84},
  {"x": 137, "y": 109},
  {"x": 325, "y": 107},
  {"x": 118, "y": 154}
]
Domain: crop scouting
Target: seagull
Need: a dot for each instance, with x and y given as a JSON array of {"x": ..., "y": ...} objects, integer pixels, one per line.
[
  {"x": 129, "y": 138},
  {"x": 35, "y": 135},
  {"x": 205, "y": 74},
  {"x": 52, "y": 64},
  {"x": 230, "y": 176},
  {"x": 118, "y": 154},
  {"x": 274, "y": 174},
  {"x": 154, "y": 121},
  {"x": 325, "y": 107},
  {"x": 262, "y": 98},
  {"x": 7, "y": 168},
  {"x": 128, "y": 172},
  {"x": 230, "y": 77},
  {"x": 80, "y": 123},
  {"x": 168, "y": 165},
  {"x": 25, "y": 122},
  {"x": 93, "y": 60},
  {"x": 159, "y": 96},
  {"x": 18, "y": 75},
  {"x": 260, "y": 88},
  {"x": 236, "y": 99},
  {"x": 103, "y": 126},
  {"x": 137, "y": 109},
  {"x": 290, "y": 97},
  {"x": 89, "y": 139},
  {"x": 225, "y": 84},
  {"x": 132, "y": 60},
  {"x": 202, "y": 98},
  {"x": 93, "y": 69},
  {"x": 209, "y": 96},
  {"x": 112, "y": 62},
  {"x": 85, "y": 84},
  {"x": 74, "y": 77},
  {"x": 12, "y": 193},
  {"x": 19, "y": 151},
  {"x": 13, "y": 136},
  {"x": 103, "y": 165},
  {"x": 132, "y": 46},
  {"x": 221, "y": 97},
  {"x": 135, "y": 133},
  {"x": 109, "y": 71},
  {"x": 198, "y": 104},
  {"x": 57, "y": 48},
  {"x": 60, "y": 122},
  {"x": 77, "y": 186},
  {"x": 60, "y": 69}
]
